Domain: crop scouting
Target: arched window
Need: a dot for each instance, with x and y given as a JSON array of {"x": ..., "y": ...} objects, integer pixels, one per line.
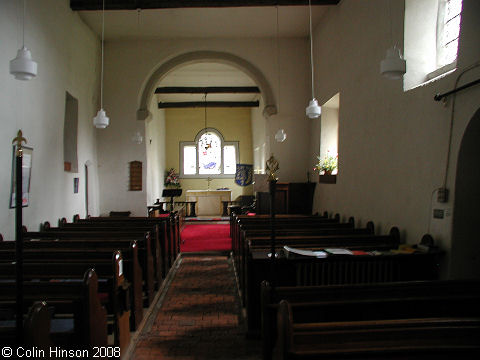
[{"x": 208, "y": 156}]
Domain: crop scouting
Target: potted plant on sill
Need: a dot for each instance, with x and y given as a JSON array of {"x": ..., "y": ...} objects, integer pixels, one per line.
[{"x": 327, "y": 165}]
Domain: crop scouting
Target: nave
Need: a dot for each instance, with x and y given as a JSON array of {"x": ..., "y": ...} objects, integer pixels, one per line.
[{"x": 199, "y": 317}]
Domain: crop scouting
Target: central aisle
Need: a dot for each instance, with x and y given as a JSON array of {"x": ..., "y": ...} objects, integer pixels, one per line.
[{"x": 200, "y": 316}]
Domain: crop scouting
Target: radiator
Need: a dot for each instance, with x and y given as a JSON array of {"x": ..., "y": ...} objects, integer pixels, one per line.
[{"x": 351, "y": 271}]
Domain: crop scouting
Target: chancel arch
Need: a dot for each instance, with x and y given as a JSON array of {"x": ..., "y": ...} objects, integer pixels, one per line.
[{"x": 269, "y": 108}]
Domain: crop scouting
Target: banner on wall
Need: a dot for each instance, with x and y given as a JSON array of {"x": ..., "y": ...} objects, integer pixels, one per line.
[{"x": 244, "y": 174}]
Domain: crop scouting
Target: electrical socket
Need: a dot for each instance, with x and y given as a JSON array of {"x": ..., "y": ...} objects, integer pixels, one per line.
[{"x": 442, "y": 195}]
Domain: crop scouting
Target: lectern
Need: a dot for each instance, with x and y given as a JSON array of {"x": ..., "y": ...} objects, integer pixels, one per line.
[{"x": 171, "y": 193}]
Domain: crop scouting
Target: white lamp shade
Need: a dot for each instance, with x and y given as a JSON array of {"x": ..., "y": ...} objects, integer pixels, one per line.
[
  {"x": 281, "y": 135},
  {"x": 23, "y": 67},
  {"x": 137, "y": 138},
  {"x": 101, "y": 121},
  {"x": 393, "y": 66},
  {"x": 313, "y": 110}
]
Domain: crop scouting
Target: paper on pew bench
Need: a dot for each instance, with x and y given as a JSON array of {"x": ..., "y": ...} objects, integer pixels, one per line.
[
  {"x": 339, "y": 251},
  {"x": 318, "y": 253}
]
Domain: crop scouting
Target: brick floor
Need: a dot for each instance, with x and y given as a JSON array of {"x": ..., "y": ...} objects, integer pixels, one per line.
[{"x": 200, "y": 317}]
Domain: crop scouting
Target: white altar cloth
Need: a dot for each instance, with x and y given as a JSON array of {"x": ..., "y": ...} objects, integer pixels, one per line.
[{"x": 209, "y": 202}]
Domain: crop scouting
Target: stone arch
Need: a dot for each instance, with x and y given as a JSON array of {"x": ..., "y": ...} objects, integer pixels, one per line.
[
  {"x": 213, "y": 56},
  {"x": 465, "y": 256}
]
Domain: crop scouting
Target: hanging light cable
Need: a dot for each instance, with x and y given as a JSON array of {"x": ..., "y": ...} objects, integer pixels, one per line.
[
  {"x": 101, "y": 121},
  {"x": 280, "y": 135},
  {"x": 313, "y": 110},
  {"x": 23, "y": 67},
  {"x": 137, "y": 138}
]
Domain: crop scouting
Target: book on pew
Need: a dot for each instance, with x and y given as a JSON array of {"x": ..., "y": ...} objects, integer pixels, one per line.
[
  {"x": 339, "y": 251},
  {"x": 303, "y": 252}
]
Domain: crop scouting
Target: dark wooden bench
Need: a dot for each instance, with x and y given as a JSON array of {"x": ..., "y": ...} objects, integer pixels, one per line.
[
  {"x": 239, "y": 222},
  {"x": 156, "y": 233},
  {"x": 409, "y": 326},
  {"x": 317, "y": 225},
  {"x": 36, "y": 327},
  {"x": 82, "y": 320},
  {"x": 168, "y": 230},
  {"x": 311, "y": 238},
  {"x": 114, "y": 288},
  {"x": 467, "y": 291},
  {"x": 49, "y": 259},
  {"x": 108, "y": 240},
  {"x": 334, "y": 269}
]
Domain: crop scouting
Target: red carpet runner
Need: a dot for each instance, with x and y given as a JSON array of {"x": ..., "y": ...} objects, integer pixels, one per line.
[{"x": 209, "y": 237}]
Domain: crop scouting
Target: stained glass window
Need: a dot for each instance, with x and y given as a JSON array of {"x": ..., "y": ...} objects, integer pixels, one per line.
[{"x": 209, "y": 155}]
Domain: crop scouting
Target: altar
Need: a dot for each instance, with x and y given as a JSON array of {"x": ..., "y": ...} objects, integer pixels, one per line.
[{"x": 209, "y": 202}]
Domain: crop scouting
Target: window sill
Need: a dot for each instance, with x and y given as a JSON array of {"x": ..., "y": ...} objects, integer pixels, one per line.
[
  {"x": 441, "y": 72},
  {"x": 327, "y": 179}
]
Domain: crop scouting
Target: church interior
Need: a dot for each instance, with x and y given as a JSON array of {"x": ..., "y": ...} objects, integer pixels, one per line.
[{"x": 338, "y": 135}]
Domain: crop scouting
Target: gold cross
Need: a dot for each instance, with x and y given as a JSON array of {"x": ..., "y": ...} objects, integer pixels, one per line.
[{"x": 19, "y": 139}]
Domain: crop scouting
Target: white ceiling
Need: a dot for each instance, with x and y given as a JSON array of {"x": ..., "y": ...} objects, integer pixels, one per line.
[
  {"x": 239, "y": 22},
  {"x": 204, "y": 75},
  {"x": 236, "y": 22}
]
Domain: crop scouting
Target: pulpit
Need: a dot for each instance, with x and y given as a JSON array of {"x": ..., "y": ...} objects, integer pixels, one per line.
[{"x": 209, "y": 202}]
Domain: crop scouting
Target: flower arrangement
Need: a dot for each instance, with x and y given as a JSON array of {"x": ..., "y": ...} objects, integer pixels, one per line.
[
  {"x": 171, "y": 178},
  {"x": 327, "y": 164}
]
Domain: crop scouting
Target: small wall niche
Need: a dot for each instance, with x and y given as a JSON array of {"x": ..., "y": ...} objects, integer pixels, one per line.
[{"x": 70, "y": 130}]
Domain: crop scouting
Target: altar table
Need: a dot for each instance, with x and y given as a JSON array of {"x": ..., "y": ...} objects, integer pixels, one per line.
[{"x": 209, "y": 202}]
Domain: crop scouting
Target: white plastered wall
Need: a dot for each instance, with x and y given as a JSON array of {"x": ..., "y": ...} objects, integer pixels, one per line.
[
  {"x": 392, "y": 144},
  {"x": 155, "y": 145},
  {"x": 68, "y": 56},
  {"x": 128, "y": 66}
]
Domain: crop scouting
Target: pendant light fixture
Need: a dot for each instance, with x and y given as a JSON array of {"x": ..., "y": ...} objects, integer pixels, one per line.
[
  {"x": 313, "y": 111},
  {"x": 393, "y": 66},
  {"x": 23, "y": 67},
  {"x": 101, "y": 121},
  {"x": 137, "y": 138}
]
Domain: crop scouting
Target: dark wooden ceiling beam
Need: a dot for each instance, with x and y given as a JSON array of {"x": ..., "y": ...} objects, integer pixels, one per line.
[
  {"x": 207, "y": 90},
  {"x": 170, "y": 4},
  {"x": 209, "y": 104}
]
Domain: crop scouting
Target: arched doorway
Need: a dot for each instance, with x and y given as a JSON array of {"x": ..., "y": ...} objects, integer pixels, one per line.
[{"x": 465, "y": 256}]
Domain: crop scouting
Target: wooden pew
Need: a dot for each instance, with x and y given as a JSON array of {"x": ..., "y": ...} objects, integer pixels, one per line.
[
  {"x": 239, "y": 222},
  {"x": 114, "y": 288},
  {"x": 77, "y": 300},
  {"x": 168, "y": 239},
  {"x": 304, "y": 224},
  {"x": 36, "y": 327},
  {"x": 57, "y": 260},
  {"x": 427, "y": 326},
  {"x": 109, "y": 240},
  {"x": 319, "y": 236},
  {"x": 334, "y": 269},
  {"x": 466, "y": 290},
  {"x": 125, "y": 230}
]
